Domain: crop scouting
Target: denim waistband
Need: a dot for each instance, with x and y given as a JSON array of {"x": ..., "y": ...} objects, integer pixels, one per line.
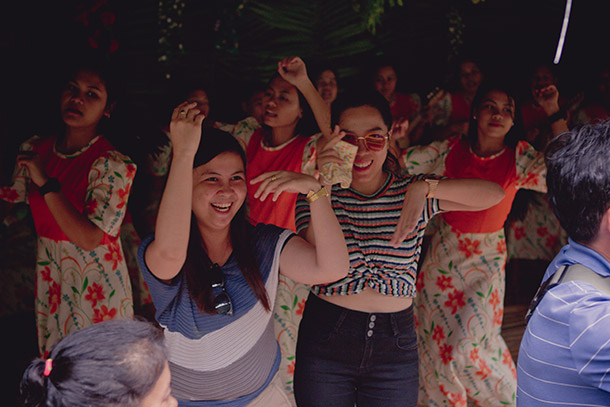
[{"x": 395, "y": 322}]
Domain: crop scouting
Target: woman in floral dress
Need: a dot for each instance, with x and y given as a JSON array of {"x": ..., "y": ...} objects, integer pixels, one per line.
[
  {"x": 77, "y": 186},
  {"x": 461, "y": 284}
]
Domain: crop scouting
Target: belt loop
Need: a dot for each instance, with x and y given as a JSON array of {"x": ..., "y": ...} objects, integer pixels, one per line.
[{"x": 394, "y": 321}]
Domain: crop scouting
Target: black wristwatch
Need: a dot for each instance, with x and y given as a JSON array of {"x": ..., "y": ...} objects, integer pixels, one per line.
[
  {"x": 52, "y": 185},
  {"x": 560, "y": 114}
]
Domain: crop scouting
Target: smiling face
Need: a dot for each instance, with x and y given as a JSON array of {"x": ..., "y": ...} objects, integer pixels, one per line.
[
  {"x": 385, "y": 82},
  {"x": 282, "y": 107},
  {"x": 83, "y": 100},
  {"x": 160, "y": 395},
  {"x": 327, "y": 86},
  {"x": 219, "y": 191},
  {"x": 201, "y": 98},
  {"x": 367, "y": 173},
  {"x": 495, "y": 115}
]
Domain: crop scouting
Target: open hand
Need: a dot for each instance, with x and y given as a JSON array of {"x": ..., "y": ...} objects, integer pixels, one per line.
[
  {"x": 276, "y": 182},
  {"x": 412, "y": 208}
]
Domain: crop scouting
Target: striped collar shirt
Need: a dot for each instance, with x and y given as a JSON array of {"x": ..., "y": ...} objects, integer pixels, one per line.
[{"x": 564, "y": 359}]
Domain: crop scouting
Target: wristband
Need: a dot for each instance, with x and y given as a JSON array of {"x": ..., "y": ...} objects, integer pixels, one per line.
[
  {"x": 433, "y": 184},
  {"x": 313, "y": 196},
  {"x": 560, "y": 114},
  {"x": 52, "y": 185}
]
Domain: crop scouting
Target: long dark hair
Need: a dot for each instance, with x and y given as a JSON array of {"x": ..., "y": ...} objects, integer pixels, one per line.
[
  {"x": 215, "y": 142},
  {"x": 516, "y": 132},
  {"x": 110, "y": 364}
]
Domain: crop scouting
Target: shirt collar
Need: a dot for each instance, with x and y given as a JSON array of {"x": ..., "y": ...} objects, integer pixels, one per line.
[{"x": 576, "y": 253}]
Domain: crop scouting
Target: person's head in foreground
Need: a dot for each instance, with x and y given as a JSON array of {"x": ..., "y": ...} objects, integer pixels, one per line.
[
  {"x": 118, "y": 363},
  {"x": 578, "y": 181}
]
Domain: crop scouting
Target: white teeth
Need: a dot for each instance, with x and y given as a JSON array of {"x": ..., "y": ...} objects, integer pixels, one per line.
[
  {"x": 362, "y": 164},
  {"x": 222, "y": 206}
]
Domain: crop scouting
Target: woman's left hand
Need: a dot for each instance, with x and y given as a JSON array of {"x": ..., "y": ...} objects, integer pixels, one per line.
[
  {"x": 276, "y": 182},
  {"x": 293, "y": 70},
  {"x": 31, "y": 161},
  {"x": 412, "y": 208}
]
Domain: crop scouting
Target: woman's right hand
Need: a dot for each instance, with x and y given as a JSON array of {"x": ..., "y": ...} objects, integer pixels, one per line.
[
  {"x": 185, "y": 128},
  {"x": 293, "y": 71}
]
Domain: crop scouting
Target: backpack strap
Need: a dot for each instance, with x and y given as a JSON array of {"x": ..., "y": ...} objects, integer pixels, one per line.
[{"x": 573, "y": 272}]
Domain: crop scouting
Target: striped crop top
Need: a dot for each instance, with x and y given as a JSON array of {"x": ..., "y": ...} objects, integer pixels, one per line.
[{"x": 368, "y": 223}]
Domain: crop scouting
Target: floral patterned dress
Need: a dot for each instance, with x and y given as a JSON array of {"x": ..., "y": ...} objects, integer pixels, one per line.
[
  {"x": 460, "y": 300},
  {"x": 76, "y": 288}
]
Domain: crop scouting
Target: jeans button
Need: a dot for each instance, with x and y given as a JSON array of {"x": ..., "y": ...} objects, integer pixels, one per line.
[
  {"x": 369, "y": 333},
  {"x": 373, "y": 318},
  {"x": 371, "y": 325}
]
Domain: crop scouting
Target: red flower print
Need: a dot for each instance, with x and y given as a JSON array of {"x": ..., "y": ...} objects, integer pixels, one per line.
[
  {"x": 107, "y": 18},
  {"x": 95, "y": 293},
  {"x": 498, "y": 316},
  {"x": 469, "y": 247},
  {"x": 542, "y": 231},
  {"x": 103, "y": 314},
  {"x": 446, "y": 353},
  {"x": 438, "y": 334},
  {"x": 484, "y": 370},
  {"x": 131, "y": 170},
  {"x": 474, "y": 354},
  {"x": 300, "y": 307},
  {"x": 507, "y": 359},
  {"x": 123, "y": 194},
  {"x": 114, "y": 255},
  {"x": 551, "y": 241},
  {"x": 444, "y": 282},
  {"x": 455, "y": 301},
  {"x": 90, "y": 206},
  {"x": 495, "y": 299},
  {"x": 290, "y": 368},
  {"x": 8, "y": 194},
  {"x": 46, "y": 274},
  {"x": 501, "y": 247},
  {"x": 519, "y": 232},
  {"x": 531, "y": 179},
  {"x": 457, "y": 399},
  {"x": 54, "y": 297}
]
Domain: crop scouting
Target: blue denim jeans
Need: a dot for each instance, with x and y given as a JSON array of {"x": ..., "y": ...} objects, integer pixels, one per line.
[{"x": 347, "y": 357}]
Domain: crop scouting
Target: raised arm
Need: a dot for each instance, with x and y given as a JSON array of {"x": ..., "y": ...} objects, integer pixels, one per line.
[
  {"x": 166, "y": 254},
  {"x": 327, "y": 259},
  {"x": 293, "y": 70},
  {"x": 453, "y": 195},
  {"x": 548, "y": 99}
]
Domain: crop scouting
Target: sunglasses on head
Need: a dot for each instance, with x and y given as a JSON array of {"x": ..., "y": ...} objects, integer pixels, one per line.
[
  {"x": 372, "y": 141},
  {"x": 222, "y": 302}
]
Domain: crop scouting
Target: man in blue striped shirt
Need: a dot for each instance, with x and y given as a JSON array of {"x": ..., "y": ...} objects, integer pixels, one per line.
[{"x": 564, "y": 359}]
